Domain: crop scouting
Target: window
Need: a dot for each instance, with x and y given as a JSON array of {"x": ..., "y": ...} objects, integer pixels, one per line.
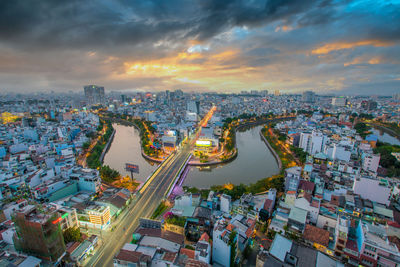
[{"x": 370, "y": 248}]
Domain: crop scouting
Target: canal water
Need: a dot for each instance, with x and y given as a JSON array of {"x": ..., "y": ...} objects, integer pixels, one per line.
[
  {"x": 125, "y": 148},
  {"x": 254, "y": 161},
  {"x": 385, "y": 137}
]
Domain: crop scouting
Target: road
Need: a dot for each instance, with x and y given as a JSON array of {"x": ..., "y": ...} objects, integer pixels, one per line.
[
  {"x": 150, "y": 196},
  {"x": 144, "y": 206}
]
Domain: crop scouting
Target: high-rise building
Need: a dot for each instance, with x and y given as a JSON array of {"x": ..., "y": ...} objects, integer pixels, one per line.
[
  {"x": 193, "y": 106},
  {"x": 308, "y": 97},
  {"x": 38, "y": 232},
  {"x": 264, "y": 93},
  {"x": 339, "y": 101},
  {"x": 123, "y": 98},
  {"x": 369, "y": 105},
  {"x": 277, "y": 93},
  {"x": 94, "y": 94}
]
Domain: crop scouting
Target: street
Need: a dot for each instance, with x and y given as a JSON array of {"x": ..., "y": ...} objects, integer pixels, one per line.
[{"x": 145, "y": 205}]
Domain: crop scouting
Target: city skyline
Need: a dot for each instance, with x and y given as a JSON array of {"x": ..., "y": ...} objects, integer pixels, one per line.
[{"x": 341, "y": 47}]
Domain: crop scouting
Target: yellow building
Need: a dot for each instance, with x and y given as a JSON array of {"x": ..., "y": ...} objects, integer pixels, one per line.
[
  {"x": 174, "y": 228},
  {"x": 98, "y": 217},
  {"x": 7, "y": 117}
]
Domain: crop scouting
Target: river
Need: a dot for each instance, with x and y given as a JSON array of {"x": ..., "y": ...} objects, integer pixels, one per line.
[
  {"x": 385, "y": 137},
  {"x": 254, "y": 160},
  {"x": 125, "y": 148}
]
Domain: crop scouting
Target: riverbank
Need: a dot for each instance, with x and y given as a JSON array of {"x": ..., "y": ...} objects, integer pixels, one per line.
[
  {"x": 276, "y": 156},
  {"x": 285, "y": 156},
  {"x": 94, "y": 159},
  {"x": 107, "y": 147},
  {"x": 96, "y": 156},
  {"x": 145, "y": 137},
  {"x": 253, "y": 171},
  {"x": 384, "y": 128},
  {"x": 232, "y": 129}
]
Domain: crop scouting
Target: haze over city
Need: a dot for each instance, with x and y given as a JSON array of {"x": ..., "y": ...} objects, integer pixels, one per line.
[{"x": 342, "y": 47}]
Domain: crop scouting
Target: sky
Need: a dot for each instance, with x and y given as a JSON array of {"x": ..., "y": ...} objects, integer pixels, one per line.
[{"x": 342, "y": 47}]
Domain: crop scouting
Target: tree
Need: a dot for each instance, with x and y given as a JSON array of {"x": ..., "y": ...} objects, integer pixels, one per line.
[
  {"x": 232, "y": 244},
  {"x": 362, "y": 129},
  {"x": 108, "y": 174},
  {"x": 72, "y": 234},
  {"x": 85, "y": 145}
]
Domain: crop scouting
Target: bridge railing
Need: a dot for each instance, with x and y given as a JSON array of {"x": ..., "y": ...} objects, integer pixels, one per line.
[
  {"x": 153, "y": 174},
  {"x": 179, "y": 173}
]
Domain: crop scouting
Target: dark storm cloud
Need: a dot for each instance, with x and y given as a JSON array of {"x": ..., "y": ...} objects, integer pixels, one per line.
[
  {"x": 75, "y": 23},
  {"x": 49, "y": 24}
]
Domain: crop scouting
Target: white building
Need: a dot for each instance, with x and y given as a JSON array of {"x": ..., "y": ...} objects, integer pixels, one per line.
[
  {"x": 292, "y": 178},
  {"x": 225, "y": 203},
  {"x": 312, "y": 143},
  {"x": 318, "y": 140},
  {"x": 184, "y": 201},
  {"x": 221, "y": 243},
  {"x": 203, "y": 251},
  {"x": 371, "y": 162},
  {"x": 337, "y": 152},
  {"x": 339, "y": 101},
  {"x": 373, "y": 189},
  {"x": 191, "y": 116},
  {"x": 313, "y": 210},
  {"x": 88, "y": 179}
]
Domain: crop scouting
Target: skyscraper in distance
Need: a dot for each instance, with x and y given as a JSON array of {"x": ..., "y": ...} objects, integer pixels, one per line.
[
  {"x": 94, "y": 94},
  {"x": 309, "y": 97}
]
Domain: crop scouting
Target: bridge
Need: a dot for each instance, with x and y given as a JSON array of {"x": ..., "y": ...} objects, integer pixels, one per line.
[
  {"x": 153, "y": 191},
  {"x": 149, "y": 197}
]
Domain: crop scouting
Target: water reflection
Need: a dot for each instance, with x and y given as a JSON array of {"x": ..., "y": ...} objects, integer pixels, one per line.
[
  {"x": 254, "y": 161},
  {"x": 385, "y": 137},
  {"x": 125, "y": 148}
]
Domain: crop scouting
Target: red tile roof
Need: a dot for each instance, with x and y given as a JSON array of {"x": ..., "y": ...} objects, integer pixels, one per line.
[
  {"x": 223, "y": 234},
  {"x": 168, "y": 235},
  {"x": 188, "y": 252},
  {"x": 169, "y": 256},
  {"x": 73, "y": 247},
  {"x": 316, "y": 235},
  {"x": 204, "y": 237},
  {"x": 132, "y": 256},
  {"x": 230, "y": 227},
  {"x": 196, "y": 263}
]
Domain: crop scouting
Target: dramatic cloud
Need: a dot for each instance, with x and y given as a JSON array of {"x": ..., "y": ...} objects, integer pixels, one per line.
[{"x": 220, "y": 45}]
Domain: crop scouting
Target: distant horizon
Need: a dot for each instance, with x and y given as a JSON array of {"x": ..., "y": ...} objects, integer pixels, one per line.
[{"x": 135, "y": 91}]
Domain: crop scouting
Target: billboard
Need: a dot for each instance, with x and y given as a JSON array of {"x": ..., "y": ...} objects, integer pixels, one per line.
[
  {"x": 131, "y": 167},
  {"x": 206, "y": 143}
]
